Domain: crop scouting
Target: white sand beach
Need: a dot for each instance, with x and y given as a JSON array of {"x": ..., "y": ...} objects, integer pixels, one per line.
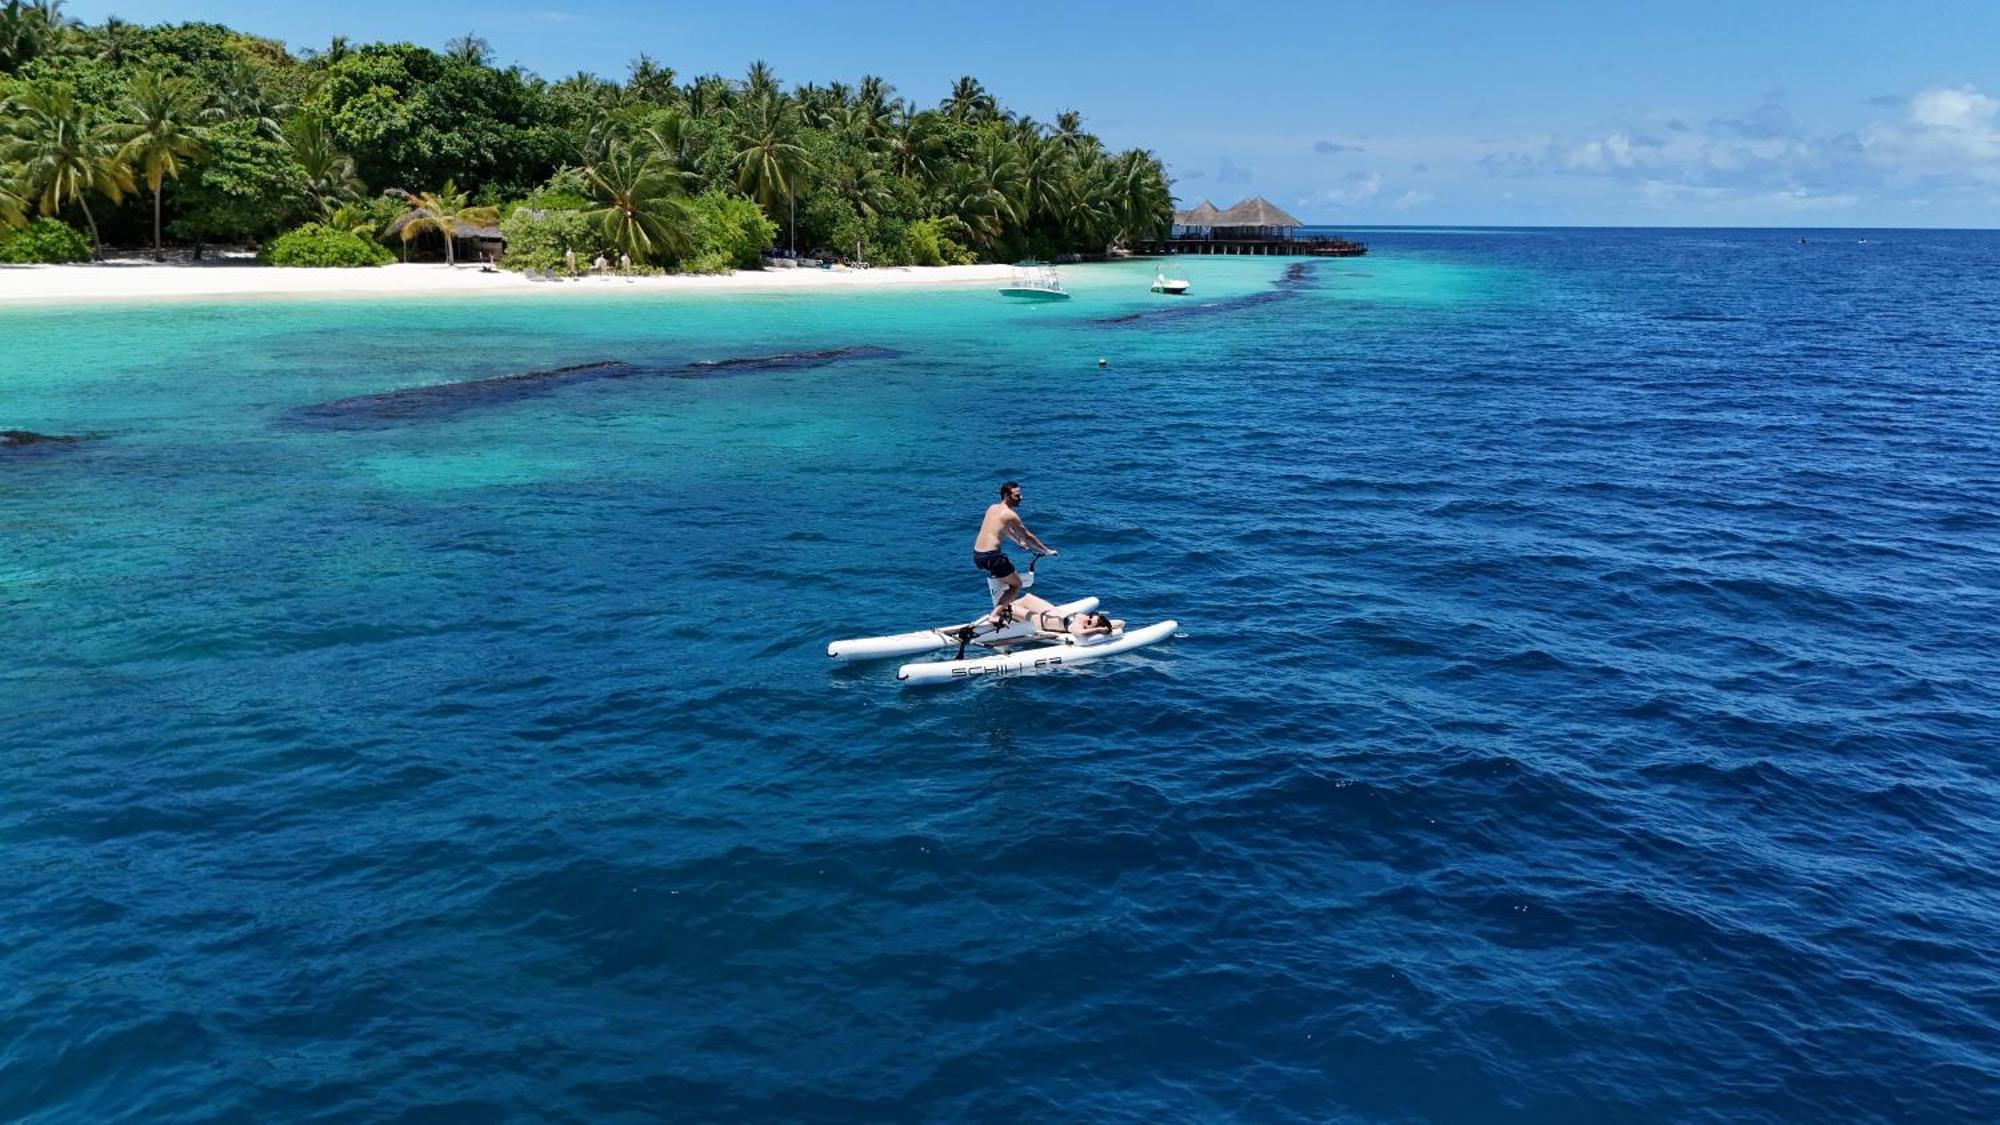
[{"x": 144, "y": 280}]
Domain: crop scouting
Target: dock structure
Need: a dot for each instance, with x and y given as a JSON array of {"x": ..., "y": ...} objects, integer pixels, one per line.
[{"x": 1253, "y": 226}]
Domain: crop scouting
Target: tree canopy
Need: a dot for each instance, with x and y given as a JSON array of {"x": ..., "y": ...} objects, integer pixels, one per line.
[{"x": 234, "y": 138}]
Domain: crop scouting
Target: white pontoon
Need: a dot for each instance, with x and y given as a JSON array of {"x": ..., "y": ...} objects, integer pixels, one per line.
[{"x": 988, "y": 648}]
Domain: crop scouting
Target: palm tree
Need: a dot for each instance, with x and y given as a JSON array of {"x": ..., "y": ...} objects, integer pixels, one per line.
[
  {"x": 873, "y": 92},
  {"x": 117, "y": 41},
  {"x": 24, "y": 34},
  {"x": 760, "y": 82},
  {"x": 917, "y": 149},
  {"x": 709, "y": 97},
  {"x": 1086, "y": 216},
  {"x": 62, "y": 155},
  {"x": 331, "y": 177},
  {"x": 985, "y": 193},
  {"x": 1140, "y": 202},
  {"x": 13, "y": 204},
  {"x": 586, "y": 88},
  {"x": 443, "y": 211},
  {"x": 160, "y": 131},
  {"x": 639, "y": 209},
  {"x": 767, "y": 158},
  {"x": 864, "y": 184},
  {"x": 650, "y": 82},
  {"x": 240, "y": 96},
  {"x": 337, "y": 49},
  {"x": 1068, "y": 131},
  {"x": 969, "y": 101},
  {"x": 469, "y": 49},
  {"x": 820, "y": 107},
  {"x": 872, "y": 116},
  {"x": 1045, "y": 178},
  {"x": 672, "y": 140}
]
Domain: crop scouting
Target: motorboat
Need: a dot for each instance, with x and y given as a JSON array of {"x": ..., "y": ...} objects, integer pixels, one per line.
[
  {"x": 1170, "y": 286},
  {"x": 1035, "y": 281}
]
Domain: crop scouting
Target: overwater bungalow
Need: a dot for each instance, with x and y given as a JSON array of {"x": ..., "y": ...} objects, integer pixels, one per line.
[{"x": 1253, "y": 226}]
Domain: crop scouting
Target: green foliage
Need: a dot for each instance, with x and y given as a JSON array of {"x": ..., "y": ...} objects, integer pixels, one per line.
[
  {"x": 366, "y": 217},
  {"x": 567, "y": 190},
  {"x": 635, "y": 195},
  {"x": 25, "y": 32},
  {"x": 324, "y": 245},
  {"x": 44, "y": 241},
  {"x": 926, "y": 244},
  {"x": 60, "y": 151},
  {"x": 276, "y": 140},
  {"x": 538, "y": 238},
  {"x": 248, "y": 187},
  {"x": 411, "y": 116},
  {"x": 709, "y": 262},
  {"x": 888, "y": 245},
  {"x": 729, "y": 232},
  {"x": 328, "y": 176},
  {"x": 828, "y": 222}
]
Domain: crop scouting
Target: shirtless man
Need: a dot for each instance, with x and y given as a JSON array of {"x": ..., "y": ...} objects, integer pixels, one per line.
[{"x": 987, "y": 553}]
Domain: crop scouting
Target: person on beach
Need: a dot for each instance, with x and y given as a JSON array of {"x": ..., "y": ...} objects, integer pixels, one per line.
[{"x": 990, "y": 557}]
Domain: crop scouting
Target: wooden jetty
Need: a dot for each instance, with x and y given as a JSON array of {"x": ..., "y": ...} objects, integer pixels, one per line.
[{"x": 1253, "y": 226}]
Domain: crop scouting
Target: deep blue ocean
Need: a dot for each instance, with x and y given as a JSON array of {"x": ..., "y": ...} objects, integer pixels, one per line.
[{"x": 1587, "y": 706}]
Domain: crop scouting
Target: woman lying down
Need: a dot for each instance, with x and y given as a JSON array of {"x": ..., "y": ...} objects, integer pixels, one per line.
[{"x": 1041, "y": 613}]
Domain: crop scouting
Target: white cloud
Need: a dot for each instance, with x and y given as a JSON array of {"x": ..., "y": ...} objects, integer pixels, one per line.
[
  {"x": 1359, "y": 188},
  {"x": 1229, "y": 172},
  {"x": 1963, "y": 110},
  {"x": 1607, "y": 154},
  {"x": 1412, "y": 199},
  {"x": 1946, "y": 132}
]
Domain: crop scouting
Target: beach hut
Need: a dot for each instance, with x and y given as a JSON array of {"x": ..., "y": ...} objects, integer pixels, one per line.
[
  {"x": 481, "y": 242},
  {"x": 1195, "y": 222},
  {"x": 1256, "y": 218},
  {"x": 1253, "y": 226}
]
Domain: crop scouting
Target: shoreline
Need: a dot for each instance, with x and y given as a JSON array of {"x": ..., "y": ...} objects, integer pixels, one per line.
[{"x": 141, "y": 281}]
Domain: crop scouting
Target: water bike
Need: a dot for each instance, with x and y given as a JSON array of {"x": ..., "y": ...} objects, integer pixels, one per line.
[{"x": 986, "y": 647}]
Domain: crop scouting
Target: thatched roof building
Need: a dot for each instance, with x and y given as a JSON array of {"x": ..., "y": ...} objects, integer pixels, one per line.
[
  {"x": 1259, "y": 213},
  {"x": 1255, "y": 217},
  {"x": 1198, "y": 218}
]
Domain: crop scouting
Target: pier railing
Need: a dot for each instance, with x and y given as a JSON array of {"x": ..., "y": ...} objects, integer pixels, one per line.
[{"x": 1319, "y": 246}]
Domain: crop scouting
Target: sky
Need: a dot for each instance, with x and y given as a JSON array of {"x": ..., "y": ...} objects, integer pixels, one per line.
[{"x": 1794, "y": 113}]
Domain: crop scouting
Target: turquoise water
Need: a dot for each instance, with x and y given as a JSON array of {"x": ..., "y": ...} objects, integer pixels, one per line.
[{"x": 1583, "y": 709}]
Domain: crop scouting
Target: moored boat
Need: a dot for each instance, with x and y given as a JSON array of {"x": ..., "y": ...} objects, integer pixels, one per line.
[
  {"x": 1035, "y": 281},
  {"x": 1171, "y": 286}
]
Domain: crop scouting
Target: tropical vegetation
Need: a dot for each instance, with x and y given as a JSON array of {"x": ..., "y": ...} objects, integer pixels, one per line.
[
  {"x": 318, "y": 244},
  {"x": 45, "y": 242},
  {"x": 197, "y": 134}
]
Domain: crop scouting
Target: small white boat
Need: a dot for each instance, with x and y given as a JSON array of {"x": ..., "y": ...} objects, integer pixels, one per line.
[
  {"x": 1171, "y": 286},
  {"x": 1035, "y": 281}
]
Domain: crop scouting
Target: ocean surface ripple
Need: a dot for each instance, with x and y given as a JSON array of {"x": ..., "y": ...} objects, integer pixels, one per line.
[{"x": 1585, "y": 707}]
